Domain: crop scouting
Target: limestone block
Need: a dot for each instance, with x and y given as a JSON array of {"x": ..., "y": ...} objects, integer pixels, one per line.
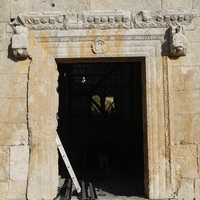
[
  {"x": 13, "y": 85},
  {"x": 8, "y": 64},
  {"x": 17, "y": 7},
  {"x": 178, "y": 4},
  {"x": 5, "y": 11},
  {"x": 19, "y": 162},
  {"x": 136, "y": 6},
  {"x": 3, "y": 190},
  {"x": 43, "y": 106},
  {"x": 197, "y": 189},
  {"x": 191, "y": 59},
  {"x": 198, "y": 148},
  {"x": 194, "y": 35},
  {"x": 186, "y": 78},
  {"x": 13, "y": 110},
  {"x": 186, "y": 129},
  {"x": 187, "y": 102},
  {"x": 4, "y": 164},
  {"x": 196, "y": 4},
  {"x": 2, "y": 31},
  {"x": 13, "y": 134},
  {"x": 185, "y": 188},
  {"x": 184, "y": 158},
  {"x": 17, "y": 190}
]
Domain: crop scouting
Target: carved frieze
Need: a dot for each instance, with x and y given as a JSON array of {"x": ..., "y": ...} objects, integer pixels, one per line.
[
  {"x": 163, "y": 19},
  {"x": 105, "y": 20},
  {"x": 42, "y": 21}
]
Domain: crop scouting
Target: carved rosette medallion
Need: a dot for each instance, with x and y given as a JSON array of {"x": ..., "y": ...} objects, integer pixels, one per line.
[{"x": 98, "y": 46}]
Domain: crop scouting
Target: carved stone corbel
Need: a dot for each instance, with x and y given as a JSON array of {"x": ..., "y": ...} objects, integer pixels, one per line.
[
  {"x": 20, "y": 42},
  {"x": 178, "y": 41}
]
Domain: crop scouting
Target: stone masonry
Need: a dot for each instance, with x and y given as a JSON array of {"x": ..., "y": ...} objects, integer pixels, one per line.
[{"x": 35, "y": 34}]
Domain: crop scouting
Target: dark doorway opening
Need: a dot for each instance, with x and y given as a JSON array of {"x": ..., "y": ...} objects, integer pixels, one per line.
[{"x": 101, "y": 126}]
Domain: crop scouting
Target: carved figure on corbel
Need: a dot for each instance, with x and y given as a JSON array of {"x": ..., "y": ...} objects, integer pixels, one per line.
[
  {"x": 71, "y": 20},
  {"x": 178, "y": 43},
  {"x": 20, "y": 42}
]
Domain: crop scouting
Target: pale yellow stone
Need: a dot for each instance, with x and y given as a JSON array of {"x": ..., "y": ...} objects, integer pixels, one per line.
[
  {"x": 43, "y": 106},
  {"x": 13, "y": 134},
  {"x": 4, "y": 11},
  {"x": 176, "y": 5},
  {"x": 13, "y": 110},
  {"x": 19, "y": 163},
  {"x": 17, "y": 190},
  {"x": 10, "y": 65},
  {"x": 3, "y": 190},
  {"x": 13, "y": 85},
  {"x": 187, "y": 102},
  {"x": 197, "y": 189},
  {"x": 136, "y": 6},
  {"x": 4, "y": 164},
  {"x": 192, "y": 54},
  {"x": 186, "y": 129},
  {"x": 185, "y": 189},
  {"x": 186, "y": 78},
  {"x": 184, "y": 159}
]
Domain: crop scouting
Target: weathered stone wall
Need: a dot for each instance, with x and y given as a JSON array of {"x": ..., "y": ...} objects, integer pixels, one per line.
[{"x": 26, "y": 88}]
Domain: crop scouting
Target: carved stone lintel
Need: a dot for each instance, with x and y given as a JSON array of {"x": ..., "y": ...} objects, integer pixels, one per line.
[
  {"x": 20, "y": 42},
  {"x": 178, "y": 43}
]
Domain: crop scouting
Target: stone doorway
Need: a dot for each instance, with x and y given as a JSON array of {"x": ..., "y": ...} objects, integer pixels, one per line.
[
  {"x": 128, "y": 48},
  {"x": 101, "y": 103}
]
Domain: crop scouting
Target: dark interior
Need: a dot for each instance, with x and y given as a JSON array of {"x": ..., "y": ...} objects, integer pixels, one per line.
[{"x": 100, "y": 124}]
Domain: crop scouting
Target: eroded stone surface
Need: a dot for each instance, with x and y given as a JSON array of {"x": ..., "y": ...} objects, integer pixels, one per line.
[
  {"x": 43, "y": 173},
  {"x": 17, "y": 190},
  {"x": 4, "y": 190},
  {"x": 5, "y": 11},
  {"x": 184, "y": 159},
  {"x": 182, "y": 102},
  {"x": 13, "y": 134},
  {"x": 10, "y": 65},
  {"x": 4, "y": 164},
  {"x": 13, "y": 110},
  {"x": 186, "y": 130},
  {"x": 19, "y": 163},
  {"x": 186, "y": 78},
  {"x": 181, "y": 130},
  {"x": 185, "y": 188},
  {"x": 13, "y": 85},
  {"x": 178, "y": 4}
]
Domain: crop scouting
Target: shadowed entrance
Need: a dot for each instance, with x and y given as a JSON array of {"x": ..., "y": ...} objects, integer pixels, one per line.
[{"x": 100, "y": 124}]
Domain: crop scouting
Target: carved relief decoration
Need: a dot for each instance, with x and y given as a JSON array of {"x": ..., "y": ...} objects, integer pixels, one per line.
[
  {"x": 178, "y": 43},
  {"x": 163, "y": 19},
  {"x": 20, "y": 42},
  {"x": 98, "y": 46},
  {"x": 42, "y": 21},
  {"x": 110, "y": 20},
  {"x": 104, "y": 20},
  {"x": 178, "y": 21}
]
